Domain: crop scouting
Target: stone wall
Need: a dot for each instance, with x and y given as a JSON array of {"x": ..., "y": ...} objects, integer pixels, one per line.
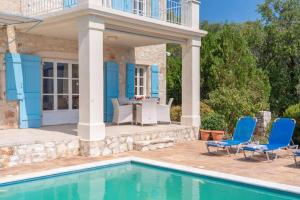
[
  {"x": 123, "y": 143},
  {"x": 155, "y": 54},
  {"x": 263, "y": 120},
  {"x": 19, "y": 154},
  {"x": 39, "y": 151},
  {"x": 10, "y": 6},
  {"x": 9, "y": 115}
]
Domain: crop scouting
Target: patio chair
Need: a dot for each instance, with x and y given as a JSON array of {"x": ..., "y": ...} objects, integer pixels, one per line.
[
  {"x": 122, "y": 114},
  {"x": 123, "y": 101},
  {"x": 280, "y": 138},
  {"x": 146, "y": 113},
  {"x": 164, "y": 112},
  {"x": 242, "y": 135},
  {"x": 297, "y": 154}
]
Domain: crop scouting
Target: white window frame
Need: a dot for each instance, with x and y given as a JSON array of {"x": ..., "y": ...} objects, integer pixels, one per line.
[
  {"x": 55, "y": 80},
  {"x": 137, "y": 77},
  {"x": 139, "y": 10}
]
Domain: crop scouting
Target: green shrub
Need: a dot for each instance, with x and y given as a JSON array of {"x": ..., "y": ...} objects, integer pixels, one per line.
[
  {"x": 205, "y": 109},
  {"x": 213, "y": 121},
  {"x": 294, "y": 112},
  {"x": 234, "y": 103},
  {"x": 175, "y": 113}
]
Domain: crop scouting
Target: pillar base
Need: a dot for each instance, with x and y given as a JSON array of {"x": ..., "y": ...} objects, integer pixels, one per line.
[
  {"x": 91, "y": 132},
  {"x": 191, "y": 120}
]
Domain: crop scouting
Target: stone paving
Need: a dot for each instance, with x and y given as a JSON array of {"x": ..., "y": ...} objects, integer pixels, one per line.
[{"x": 193, "y": 154}]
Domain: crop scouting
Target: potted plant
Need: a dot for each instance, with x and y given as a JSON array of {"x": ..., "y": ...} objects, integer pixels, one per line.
[
  {"x": 214, "y": 124},
  {"x": 204, "y": 134}
]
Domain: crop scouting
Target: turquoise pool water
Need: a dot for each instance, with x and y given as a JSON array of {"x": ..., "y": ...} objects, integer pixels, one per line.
[{"x": 136, "y": 181}]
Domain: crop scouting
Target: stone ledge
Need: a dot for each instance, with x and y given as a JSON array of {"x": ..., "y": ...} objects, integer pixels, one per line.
[
  {"x": 38, "y": 152},
  {"x": 122, "y": 143},
  {"x": 153, "y": 144}
]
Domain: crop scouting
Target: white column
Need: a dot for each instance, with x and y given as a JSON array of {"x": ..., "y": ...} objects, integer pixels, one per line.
[
  {"x": 191, "y": 83},
  {"x": 90, "y": 36},
  {"x": 194, "y": 13}
]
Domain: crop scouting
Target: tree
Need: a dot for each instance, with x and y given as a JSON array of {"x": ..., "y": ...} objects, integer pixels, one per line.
[
  {"x": 233, "y": 85},
  {"x": 280, "y": 53},
  {"x": 174, "y": 62}
]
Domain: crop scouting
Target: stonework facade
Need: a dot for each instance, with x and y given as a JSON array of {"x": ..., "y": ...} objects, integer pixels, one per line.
[
  {"x": 9, "y": 115},
  {"x": 263, "y": 120},
  {"x": 123, "y": 143},
  {"x": 11, "y": 6},
  {"x": 19, "y": 154},
  {"x": 62, "y": 49},
  {"x": 155, "y": 54}
]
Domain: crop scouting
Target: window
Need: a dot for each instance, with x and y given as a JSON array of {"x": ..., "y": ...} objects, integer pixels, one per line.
[
  {"x": 48, "y": 86},
  {"x": 139, "y": 7},
  {"x": 140, "y": 81},
  {"x": 60, "y": 86}
]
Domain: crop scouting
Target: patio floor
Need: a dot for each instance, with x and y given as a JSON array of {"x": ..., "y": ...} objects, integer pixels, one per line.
[
  {"x": 68, "y": 132},
  {"x": 192, "y": 154}
]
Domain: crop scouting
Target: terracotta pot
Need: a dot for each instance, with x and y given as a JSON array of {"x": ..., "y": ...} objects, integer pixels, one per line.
[
  {"x": 204, "y": 134},
  {"x": 217, "y": 135}
]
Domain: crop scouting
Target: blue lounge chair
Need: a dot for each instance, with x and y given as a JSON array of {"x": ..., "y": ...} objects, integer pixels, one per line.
[
  {"x": 280, "y": 137},
  {"x": 243, "y": 132},
  {"x": 297, "y": 154}
]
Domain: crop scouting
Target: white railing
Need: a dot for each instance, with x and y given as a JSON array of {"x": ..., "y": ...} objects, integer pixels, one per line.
[{"x": 173, "y": 11}]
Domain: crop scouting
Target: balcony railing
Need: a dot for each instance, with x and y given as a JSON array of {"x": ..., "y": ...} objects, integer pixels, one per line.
[{"x": 173, "y": 11}]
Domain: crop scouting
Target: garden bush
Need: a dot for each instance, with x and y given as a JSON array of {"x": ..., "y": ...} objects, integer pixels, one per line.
[
  {"x": 234, "y": 103},
  {"x": 294, "y": 112},
  {"x": 205, "y": 109},
  {"x": 176, "y": 111},
  {"x": 213, "y": 121}
]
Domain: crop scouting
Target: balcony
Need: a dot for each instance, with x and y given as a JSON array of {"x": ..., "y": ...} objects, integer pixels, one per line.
[{"x": 172, "y": 11}]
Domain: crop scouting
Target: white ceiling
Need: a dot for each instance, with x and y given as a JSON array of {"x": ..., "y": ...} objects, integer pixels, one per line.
[{"x": 68, "y": 30}]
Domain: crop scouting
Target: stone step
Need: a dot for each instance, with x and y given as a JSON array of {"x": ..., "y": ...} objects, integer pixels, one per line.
[{"x": 147, "y": 145}]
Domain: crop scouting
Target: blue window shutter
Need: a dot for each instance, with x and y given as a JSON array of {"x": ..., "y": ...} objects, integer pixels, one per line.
[
  {"x": 111, "y": 78},
  {"x": 155, "y": 9},
  {"x": 117, "y": 4},
  {"x": 14, "y": 77},
  {"x": 154, "y": 81},
  {"x": 130, "y": 68},
  {"x": 30, "y": 105},
  {"x": 70, "y": 3}
]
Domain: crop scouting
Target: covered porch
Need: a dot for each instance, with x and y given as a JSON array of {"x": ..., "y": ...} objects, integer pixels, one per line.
[
  {"x": 88, "y": 40},
  {"x": 96, "y": 37}
]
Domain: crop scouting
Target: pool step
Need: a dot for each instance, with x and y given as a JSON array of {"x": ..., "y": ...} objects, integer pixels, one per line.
[{"x": 148, "y": 145}]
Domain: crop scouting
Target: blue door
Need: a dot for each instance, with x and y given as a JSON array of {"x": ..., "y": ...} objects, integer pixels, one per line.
[
  {"x": 118, "y": 4},
  {"x": 24, "y": 85},
  {"x": 70, "y": 3},
  {"x": 123, "y": 5},
  {"x": 155, "y": 9},
  {"x": 111, "y": 88}
]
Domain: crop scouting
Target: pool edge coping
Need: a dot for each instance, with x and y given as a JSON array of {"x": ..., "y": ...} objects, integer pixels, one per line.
[{"x": 209, "y": 173}]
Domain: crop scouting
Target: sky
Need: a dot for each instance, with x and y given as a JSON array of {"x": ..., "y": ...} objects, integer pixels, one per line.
[{"x": 229, "y": 10}]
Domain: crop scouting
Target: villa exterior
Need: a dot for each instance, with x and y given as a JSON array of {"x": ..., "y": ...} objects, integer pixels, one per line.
[{"x": 66, "y": 67}]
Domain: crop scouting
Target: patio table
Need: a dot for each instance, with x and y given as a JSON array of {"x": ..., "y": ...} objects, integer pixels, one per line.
[{"x": 134, "y": 103}]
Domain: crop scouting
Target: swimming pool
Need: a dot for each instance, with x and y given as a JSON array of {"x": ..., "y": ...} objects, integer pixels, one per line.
[{"x": 133, "y": 178}]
